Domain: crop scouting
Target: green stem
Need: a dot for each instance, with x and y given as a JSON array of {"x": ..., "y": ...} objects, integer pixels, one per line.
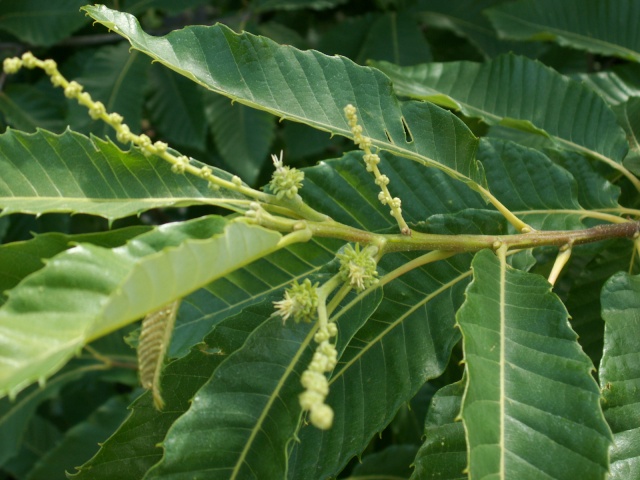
[{"x": 519, "y": 225}]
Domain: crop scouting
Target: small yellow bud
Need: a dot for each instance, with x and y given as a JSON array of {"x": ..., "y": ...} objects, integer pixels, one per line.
[
  {"x": 11, "y": 65},
  {"x": 28, "y": 60},
  {"x": 321, "y": 416}
]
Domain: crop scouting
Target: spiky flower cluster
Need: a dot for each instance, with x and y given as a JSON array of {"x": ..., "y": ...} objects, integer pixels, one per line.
[
  {"x": 285, "y": 181},
  {"x": 300, "y": 302},
  {"x": 358, "y": 267},
  {"x": 314, "y": 380},
  {"x": 371, "y": 161}
]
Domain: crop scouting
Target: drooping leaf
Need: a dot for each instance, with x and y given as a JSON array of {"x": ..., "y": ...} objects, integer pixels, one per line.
[
  {"x": 443, "y": 455},
  {"x": 42, "y": 22},
  {"x": 307, "y": 87},
  {"x": 620, "y": 371},
  {"x": 176, "y": 109},
  {"x": 518, "y": 344},
  {"x": 80, "y": 441},
  {"x": 521, "y": 94},
  {"x": 44, "y": 172},
  {"x": 603, "y": 27},
  {"x": 242, "y": 135},
  {"x": 117, "y": 78},
  {"x": 89, "y": 291}
]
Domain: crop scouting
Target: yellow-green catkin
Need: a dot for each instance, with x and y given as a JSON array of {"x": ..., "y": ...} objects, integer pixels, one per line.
[{"x": 371, "y": 161}]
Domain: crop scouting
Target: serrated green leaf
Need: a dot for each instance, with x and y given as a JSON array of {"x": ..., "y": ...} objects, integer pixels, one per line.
[
  {"x": 307, "y": 87},
  {"x": 89, "y": 291},
  {"x": 443, "y": 455},
  {"x": 80, "y": 441},
  {"x": 603, "y": 27},
  {"x": 242, "y": 135},
  {"x": 42, "y": 22},
  {"x": 176, "y": 108},
  {"x": 620, "y": 371},
  {"x": 43, "y": 172},
  {"x": 517, "y": 344},
  {"x": 116, "y": 77},
  {"x": 515, "y": 91},
  {"x": 251, "y": 433}
]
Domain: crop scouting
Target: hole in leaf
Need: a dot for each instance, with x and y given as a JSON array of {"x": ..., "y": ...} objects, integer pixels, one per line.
[
  {"x": 407, "y": 133},
  {"x": 386, "y": 132}
]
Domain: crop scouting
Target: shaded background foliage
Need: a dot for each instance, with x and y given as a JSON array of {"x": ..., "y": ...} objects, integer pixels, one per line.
[{"x": 58, "y": 427}]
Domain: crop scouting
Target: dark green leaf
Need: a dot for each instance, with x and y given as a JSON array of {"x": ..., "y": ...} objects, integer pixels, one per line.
[
  {"x": 27, "y": 107},
  {"x": 443, "y": 455},
  {"x": 517, "y": 345},
  {"x": 620, "y": 372},
  {"x": 42, "y": 22},
  {"x": 116, "y": 77},
  {"x": 176, "y": 109},
  {"x": 80, "y": 441},
  {"x": 242, "y": 135},
  {"x": 603, "y": 27}
]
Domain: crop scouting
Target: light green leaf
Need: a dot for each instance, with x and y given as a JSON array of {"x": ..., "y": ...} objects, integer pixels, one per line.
[
  {"x": 517, "y": 343},
  {"x": 176, "y": 108},
  {"x": 89, "y": 291},
  {"x": 19, "y": 259},
  {"x": 307, "y": 87},
  {"x": 443, "y": 455},
  {"x": 42, "y": 22},
  {"x": 620, "y": 372},
  {"x": 604, "y": 27},
  {"x": 44, "y": 172},
  {"x": 80, "y": 441},
  {"x": 242, "y": 135},
  {"x": 115, "y": 77},
  {"x": 522, "y": 94}
]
